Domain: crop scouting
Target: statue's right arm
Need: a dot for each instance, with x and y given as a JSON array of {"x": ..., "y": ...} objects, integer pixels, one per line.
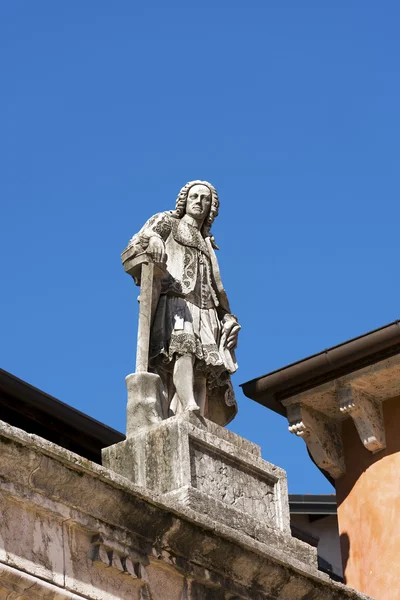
[{"x": 156, "y": 228}]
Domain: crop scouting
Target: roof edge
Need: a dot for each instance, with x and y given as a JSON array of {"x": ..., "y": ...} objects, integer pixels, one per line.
[
  {"x": 42, "y": 401},
  {"x": 325, "y": 366}
]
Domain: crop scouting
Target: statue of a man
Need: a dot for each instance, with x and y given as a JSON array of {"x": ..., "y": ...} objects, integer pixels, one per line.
[{"x": 193, "y": 333}]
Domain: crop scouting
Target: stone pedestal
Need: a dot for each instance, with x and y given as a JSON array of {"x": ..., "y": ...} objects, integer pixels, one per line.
[
  {"x": 202, "y": 466},
  {"x": 144, "y": 409}
]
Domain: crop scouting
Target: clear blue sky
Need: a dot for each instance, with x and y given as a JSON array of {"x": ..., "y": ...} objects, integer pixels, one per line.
[{"x": 291, "y": 109}]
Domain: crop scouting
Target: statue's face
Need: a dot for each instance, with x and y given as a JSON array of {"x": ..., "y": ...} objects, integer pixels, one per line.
[{"x": 198, "y": 202}]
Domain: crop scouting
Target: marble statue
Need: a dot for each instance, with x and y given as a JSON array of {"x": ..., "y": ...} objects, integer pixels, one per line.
[{"x": 192, "y": 332}]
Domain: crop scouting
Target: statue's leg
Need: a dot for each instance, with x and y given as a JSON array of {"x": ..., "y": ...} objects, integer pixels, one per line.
[
  {"x": 183, "y": 377},
  {"x": 166, "y": 390},
  {"x": 200, "y": 392},
  {"x": 175, "y": 408}
]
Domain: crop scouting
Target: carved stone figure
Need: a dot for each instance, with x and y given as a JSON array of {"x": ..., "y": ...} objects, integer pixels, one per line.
[{"x": 192, "y": 333}]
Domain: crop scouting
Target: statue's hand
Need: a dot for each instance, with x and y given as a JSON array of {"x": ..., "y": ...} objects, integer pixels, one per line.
[
  {"x": 156, "y": 249},
  {"x": 230, "y": 332}
]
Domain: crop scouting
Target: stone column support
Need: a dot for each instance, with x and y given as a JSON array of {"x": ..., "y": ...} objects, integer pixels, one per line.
[
  {"x": 366, "y": 413},
  {"x": 322, "y": 436},
  {"x": 145, "y": 398}
]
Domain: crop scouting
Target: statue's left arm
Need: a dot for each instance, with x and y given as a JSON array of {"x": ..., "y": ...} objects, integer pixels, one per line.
[
  {"x": 230, "y": 331},
  {"x": 152, "y": 236},
  {"x": 229, "y": 322}
]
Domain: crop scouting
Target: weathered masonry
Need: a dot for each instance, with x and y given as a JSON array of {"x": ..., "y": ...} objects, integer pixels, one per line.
[{"x": 196, "y": 514}]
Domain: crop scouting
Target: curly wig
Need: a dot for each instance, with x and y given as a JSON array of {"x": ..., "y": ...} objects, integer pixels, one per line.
[{"x": 180, "y": 207}]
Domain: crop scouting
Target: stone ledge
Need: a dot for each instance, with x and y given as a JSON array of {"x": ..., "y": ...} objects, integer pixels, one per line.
[
  {"x": 18, "y": 582},
  {"x": 82, "y": 499}
]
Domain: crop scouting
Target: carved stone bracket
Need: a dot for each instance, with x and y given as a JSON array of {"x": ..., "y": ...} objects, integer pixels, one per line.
[
  {"x": 321, "y": 435},
  {"x": 109, "y": 554},
  {"x": 366, "y": 413}
]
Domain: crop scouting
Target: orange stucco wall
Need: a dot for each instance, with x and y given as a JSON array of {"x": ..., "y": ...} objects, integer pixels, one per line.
[{"x": 368, "y": 498}]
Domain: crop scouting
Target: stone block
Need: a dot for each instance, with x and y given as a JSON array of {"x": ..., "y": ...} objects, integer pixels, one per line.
[
  {"x": 209, "y": 469},
  {"x": 164, "y": 583},
  {"x": 144, "y": 408},
  {"x": 30, "y": 539},
  {"x": 198, "y": 591},
  {"x": 96, "y": 570}
]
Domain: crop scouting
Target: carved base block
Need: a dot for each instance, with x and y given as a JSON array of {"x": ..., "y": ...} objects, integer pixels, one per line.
[
  {"x": 144, "y": 409},
  {"x": 200, "y": 465}
]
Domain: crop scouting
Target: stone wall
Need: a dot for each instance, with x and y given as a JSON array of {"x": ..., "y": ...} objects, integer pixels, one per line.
[{"x": 71, "y": 529}]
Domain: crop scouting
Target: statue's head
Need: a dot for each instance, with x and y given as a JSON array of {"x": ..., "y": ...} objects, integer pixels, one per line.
[{"x": 198, "y": 188}]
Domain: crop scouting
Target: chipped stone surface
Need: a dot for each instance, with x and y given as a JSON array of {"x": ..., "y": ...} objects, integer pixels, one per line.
[
  {"x": 226, "y": 480},
  {"x": 72, "y": 530},
  {"x": 197, "y": 464},
  {"x": 98, "y": 572},
  {"x": 18, "y": 585},
  {"x": 30, "y": 539}
]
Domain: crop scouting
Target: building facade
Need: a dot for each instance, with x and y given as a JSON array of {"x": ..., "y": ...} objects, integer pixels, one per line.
[
  {"x": 345, "y": 404},
  {"x": 74, "y": 529}
]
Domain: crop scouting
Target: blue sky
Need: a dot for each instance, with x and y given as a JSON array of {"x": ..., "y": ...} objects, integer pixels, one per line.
[{"x": 291, "y": 109}]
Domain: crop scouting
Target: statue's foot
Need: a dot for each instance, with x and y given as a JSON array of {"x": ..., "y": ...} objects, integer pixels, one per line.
[{"x": 192, "y": 406}]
